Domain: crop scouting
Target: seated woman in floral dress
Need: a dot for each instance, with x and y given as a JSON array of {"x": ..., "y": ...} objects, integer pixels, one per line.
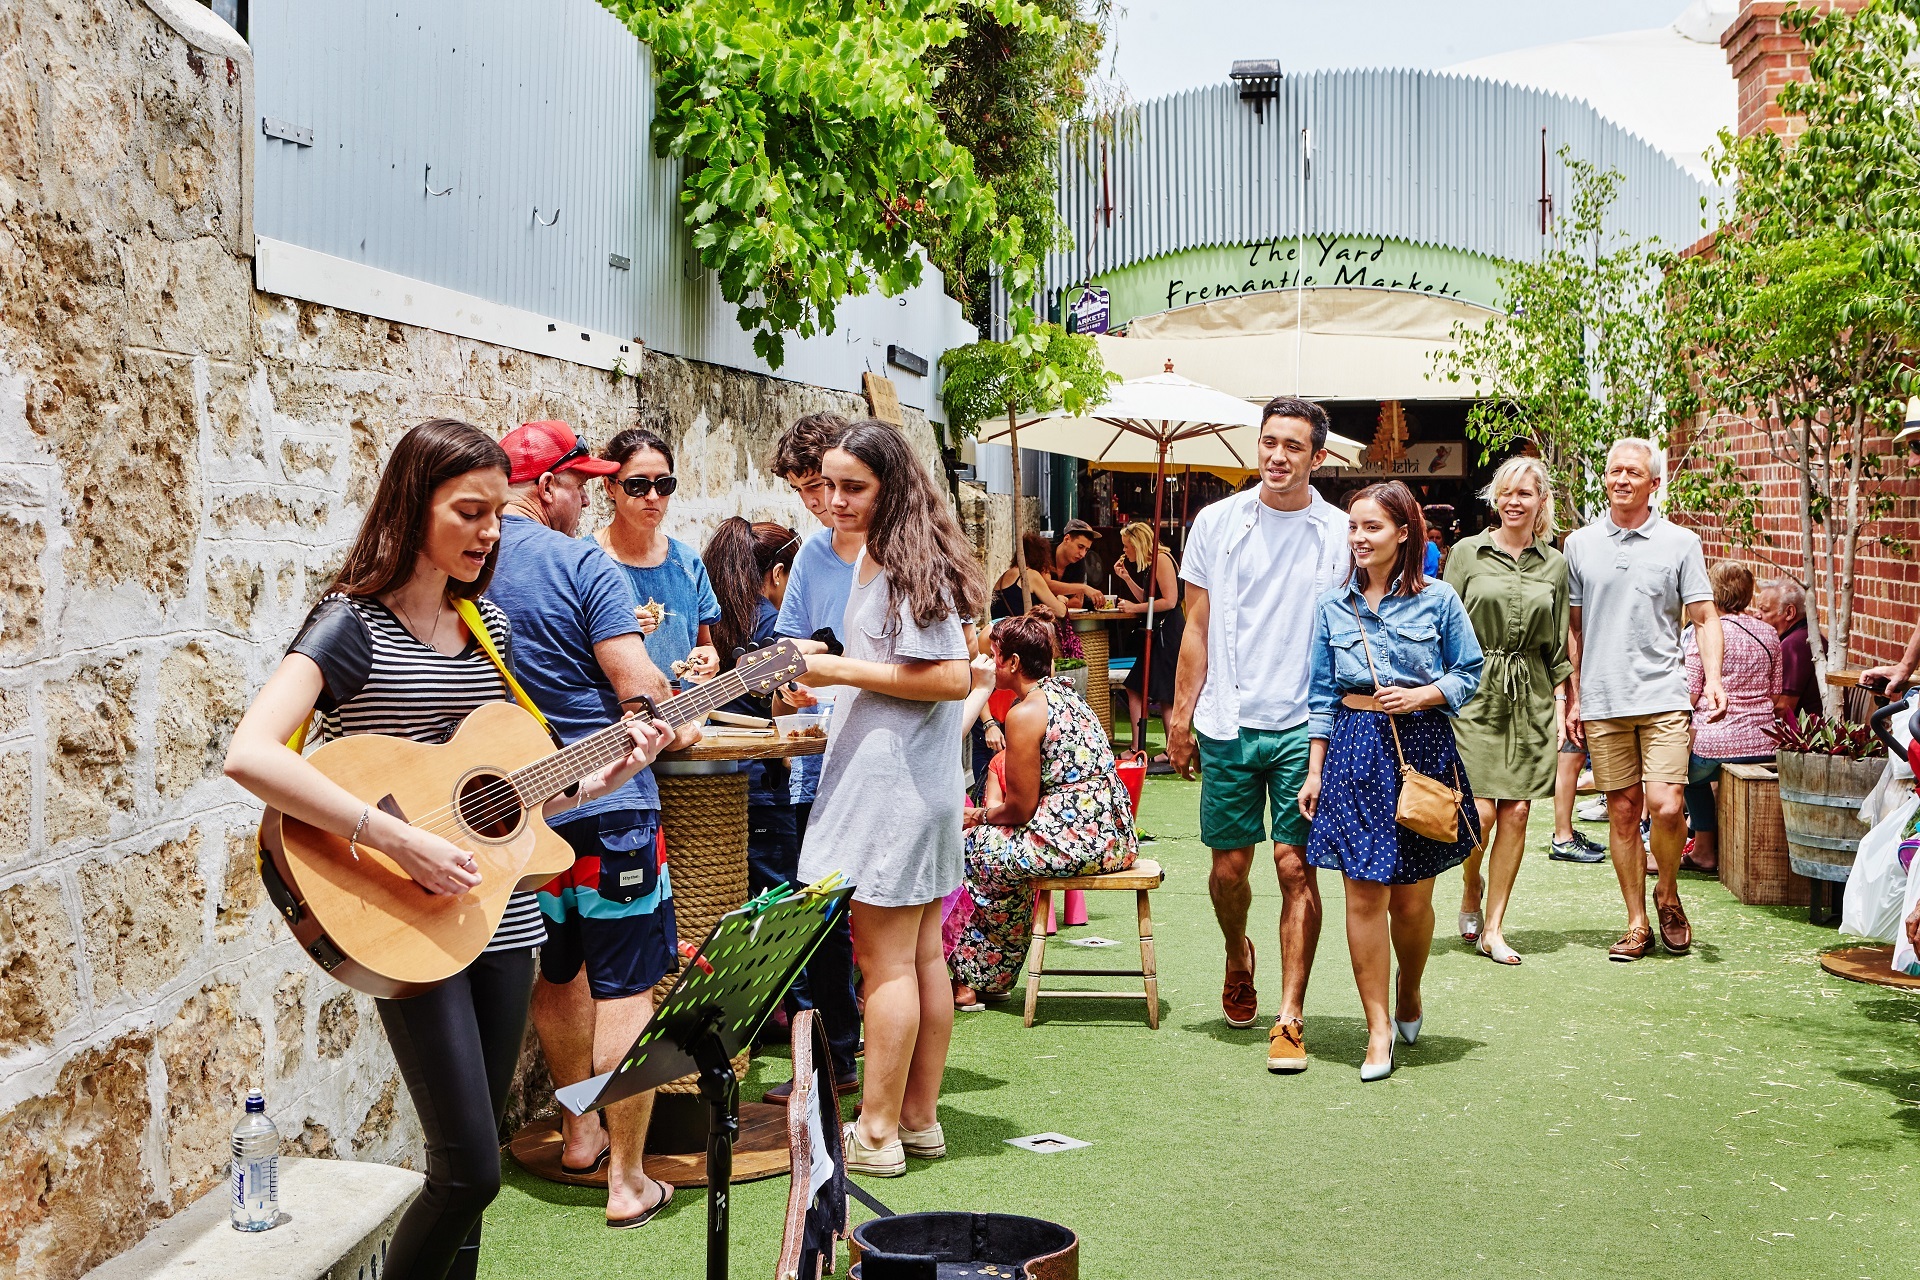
[{"x": 1064, "y": 812}]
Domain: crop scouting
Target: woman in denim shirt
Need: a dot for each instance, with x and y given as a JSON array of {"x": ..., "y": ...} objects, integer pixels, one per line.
[{"x": 1425, "y": 666}]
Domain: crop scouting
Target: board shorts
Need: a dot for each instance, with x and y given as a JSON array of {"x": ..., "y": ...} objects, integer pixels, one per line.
[{"x": 611, "y": 912}]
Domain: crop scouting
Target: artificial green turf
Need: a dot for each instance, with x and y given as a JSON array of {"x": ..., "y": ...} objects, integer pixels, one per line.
[{"x": 1736, "y": 1112}]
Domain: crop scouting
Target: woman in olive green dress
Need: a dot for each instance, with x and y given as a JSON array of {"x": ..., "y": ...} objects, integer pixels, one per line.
[{"x": 1514, "y": 586}]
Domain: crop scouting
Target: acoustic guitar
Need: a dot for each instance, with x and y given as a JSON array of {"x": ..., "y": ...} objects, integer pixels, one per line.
[{"x": 369, "y": 924}]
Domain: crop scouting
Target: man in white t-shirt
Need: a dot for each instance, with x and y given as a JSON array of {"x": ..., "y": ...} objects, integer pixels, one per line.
[{"x": 1255, "y": 564}]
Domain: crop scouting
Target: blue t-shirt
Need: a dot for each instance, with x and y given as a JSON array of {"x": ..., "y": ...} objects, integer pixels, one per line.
[
  {"x": 680, "y": 583},
  {"x": 563, "y": 596},
  {"x": 816, "y": 597},
  {"x": 1432, "y": 565}
]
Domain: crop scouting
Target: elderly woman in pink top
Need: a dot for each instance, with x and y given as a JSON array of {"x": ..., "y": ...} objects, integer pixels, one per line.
[{"x": 1751, "y": 672}]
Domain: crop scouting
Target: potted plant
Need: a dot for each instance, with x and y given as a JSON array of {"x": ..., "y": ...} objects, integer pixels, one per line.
[
  {"x": 1827, "y": 766},
  {"x": 1075, "y": 670}
]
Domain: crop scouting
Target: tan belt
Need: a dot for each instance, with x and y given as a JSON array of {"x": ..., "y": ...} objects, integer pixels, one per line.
[{"x": 1362, "y": 702}]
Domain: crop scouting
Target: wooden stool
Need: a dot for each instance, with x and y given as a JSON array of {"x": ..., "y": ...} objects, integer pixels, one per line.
[{"x": 1142, "y": 877}]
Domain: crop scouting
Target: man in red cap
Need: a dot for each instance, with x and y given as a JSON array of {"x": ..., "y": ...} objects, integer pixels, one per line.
[
  {"x": 610, "y": 931},
  {"x": 551, "y": 467}
]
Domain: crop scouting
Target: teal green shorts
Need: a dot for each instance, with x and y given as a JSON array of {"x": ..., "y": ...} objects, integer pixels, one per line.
[{"x": 1241, "y": 778}]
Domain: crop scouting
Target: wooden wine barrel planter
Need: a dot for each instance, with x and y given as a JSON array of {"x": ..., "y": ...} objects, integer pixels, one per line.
[{"x": 1820, "y": 808}]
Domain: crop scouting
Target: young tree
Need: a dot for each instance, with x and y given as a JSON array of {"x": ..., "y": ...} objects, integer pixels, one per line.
[
  {"x": 1800, "y": 318},
  {"x": 1002, "y": 93},
  {"x": 817, "y": 163},
  {"x": 1040, "y": 368},
  {"x": 1578, "y": 361}
]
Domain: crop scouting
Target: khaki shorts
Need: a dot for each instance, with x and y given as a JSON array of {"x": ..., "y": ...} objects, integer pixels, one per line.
[{"x": 1629, "y": 750}]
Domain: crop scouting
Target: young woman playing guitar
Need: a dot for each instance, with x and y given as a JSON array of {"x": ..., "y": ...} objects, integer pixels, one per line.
[{"x": 385, "y": 651}]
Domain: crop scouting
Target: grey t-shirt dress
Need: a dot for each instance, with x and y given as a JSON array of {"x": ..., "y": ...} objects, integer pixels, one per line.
[{"x": 887, "y": 814}]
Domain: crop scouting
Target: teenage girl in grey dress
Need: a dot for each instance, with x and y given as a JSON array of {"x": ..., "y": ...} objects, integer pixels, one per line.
[{"x": 887, "y": 815}]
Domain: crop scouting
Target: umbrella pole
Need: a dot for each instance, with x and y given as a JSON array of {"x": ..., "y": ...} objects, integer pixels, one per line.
[
  {"x": 1019, "y": 542},
  {"x": 1153, "y": 590}
]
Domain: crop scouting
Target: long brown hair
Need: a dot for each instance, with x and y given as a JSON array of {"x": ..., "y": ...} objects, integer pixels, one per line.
[
  {"x": 930, "y": 567},
  {"x": 1403, "y": 509},
  {"x": 1039, "y": 552},
  {"x": 738, "y": 558},
  {"x": 384, "y": 551}
]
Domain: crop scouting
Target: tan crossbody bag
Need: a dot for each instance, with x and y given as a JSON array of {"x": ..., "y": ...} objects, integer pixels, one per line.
[{"x": 1426, "y": 806}]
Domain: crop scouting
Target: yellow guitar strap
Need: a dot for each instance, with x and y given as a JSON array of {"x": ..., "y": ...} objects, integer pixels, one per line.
[{"x": 469, "y": 614}]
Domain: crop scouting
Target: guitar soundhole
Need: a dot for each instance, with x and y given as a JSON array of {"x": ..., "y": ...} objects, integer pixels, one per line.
[{"x": 489, "y": 807}]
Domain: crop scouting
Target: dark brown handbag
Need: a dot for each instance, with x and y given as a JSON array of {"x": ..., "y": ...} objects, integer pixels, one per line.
[{"x": 1426, "y": 806}]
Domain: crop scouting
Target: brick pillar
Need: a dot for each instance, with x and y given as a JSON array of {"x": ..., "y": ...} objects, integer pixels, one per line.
[{"x": 1765, "y": 55}]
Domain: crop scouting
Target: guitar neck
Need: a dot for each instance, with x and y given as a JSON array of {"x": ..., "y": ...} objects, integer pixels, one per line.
[{"x": 548, "y": 777}]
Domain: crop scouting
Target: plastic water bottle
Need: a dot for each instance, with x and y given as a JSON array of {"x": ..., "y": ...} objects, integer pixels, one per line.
[{"x": 256, "y": 1168}]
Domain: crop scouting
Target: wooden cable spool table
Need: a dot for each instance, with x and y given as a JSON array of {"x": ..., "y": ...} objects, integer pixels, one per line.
[
  {"x": 1092, "y": 626},
  {"x": 703, "y": 809}
]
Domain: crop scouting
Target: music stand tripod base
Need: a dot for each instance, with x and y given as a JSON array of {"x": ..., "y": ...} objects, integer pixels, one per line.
[{"x": 727, "y": 991}]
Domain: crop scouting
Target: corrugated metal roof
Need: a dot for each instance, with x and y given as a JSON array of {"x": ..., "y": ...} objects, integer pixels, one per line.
[{"x": 1420, "y": 156}]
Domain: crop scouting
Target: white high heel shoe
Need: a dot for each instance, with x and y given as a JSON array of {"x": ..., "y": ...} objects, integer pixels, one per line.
[
  {"x": 1370, "y": 1072},
  {"x": 1408, "y": 1031}
]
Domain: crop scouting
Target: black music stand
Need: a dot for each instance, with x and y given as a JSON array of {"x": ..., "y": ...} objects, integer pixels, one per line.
[{"x": 726, "y": 990}]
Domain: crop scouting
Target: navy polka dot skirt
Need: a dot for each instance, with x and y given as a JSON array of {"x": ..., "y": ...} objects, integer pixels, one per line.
[{"x": 1353, "y": 829}]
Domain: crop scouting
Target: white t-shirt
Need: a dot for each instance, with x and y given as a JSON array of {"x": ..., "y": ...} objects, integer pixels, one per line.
[{"x": 1274, "y": 592}]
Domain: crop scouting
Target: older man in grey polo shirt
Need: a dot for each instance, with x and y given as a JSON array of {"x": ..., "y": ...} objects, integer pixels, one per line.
[{"x": 1635, "y": 579}]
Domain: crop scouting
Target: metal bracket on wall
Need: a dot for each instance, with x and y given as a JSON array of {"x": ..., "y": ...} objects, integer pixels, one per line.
[
  {"x": 550, "y": 221},
  {"x": 427, "y": 179},
  {"x": 298, "y": 135}
]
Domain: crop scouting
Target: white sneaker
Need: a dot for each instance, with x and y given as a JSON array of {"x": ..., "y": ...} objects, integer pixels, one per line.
[
  {"x": 924, "y": 1144},
  {"x": 1591, "y": 810}
]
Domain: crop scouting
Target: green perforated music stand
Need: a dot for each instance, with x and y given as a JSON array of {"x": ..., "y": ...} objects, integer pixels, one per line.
[{"x": 727, "y": 989}]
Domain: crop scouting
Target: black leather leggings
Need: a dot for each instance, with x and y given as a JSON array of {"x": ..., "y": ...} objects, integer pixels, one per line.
[{"x": 457, "y": 1046}]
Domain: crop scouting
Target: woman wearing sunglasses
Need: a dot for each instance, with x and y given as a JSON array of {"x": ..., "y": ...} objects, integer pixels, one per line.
[{"x": 672, "y": 598}]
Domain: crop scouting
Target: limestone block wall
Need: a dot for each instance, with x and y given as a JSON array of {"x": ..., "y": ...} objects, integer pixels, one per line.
[{"x": 182, "y": 461}]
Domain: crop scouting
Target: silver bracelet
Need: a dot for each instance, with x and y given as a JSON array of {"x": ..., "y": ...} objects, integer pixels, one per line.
[{"x": 353, "y": 841}]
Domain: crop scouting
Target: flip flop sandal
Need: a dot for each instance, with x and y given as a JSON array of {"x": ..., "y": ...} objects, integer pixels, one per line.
[
  {"x": 590, "y": 1169},
  {"x": 645, "y": 1216}
]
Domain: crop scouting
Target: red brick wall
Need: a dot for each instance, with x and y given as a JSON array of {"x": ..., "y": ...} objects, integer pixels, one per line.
[
  {"x": 1764, "y": 57},
  {"x": 1886, "y": 588}
]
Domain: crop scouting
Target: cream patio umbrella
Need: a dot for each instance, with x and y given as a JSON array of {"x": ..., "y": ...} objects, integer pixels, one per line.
[{"x": 1160, "y": 419}]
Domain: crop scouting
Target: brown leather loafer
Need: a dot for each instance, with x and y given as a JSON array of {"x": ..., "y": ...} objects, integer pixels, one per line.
[
  {"x": 1675, "y": 933},
  {"x": 1238, "y": 1000},
  {"x": 1635, "y": 946}
]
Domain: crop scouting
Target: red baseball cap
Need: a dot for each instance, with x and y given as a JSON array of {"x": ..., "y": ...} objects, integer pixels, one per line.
[{"x": 535, "y": 448}]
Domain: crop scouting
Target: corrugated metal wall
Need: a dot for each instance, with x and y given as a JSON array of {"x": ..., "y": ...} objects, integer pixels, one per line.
[
  {"x": 1411, "y": 155},
  {"x": 518, "y": 107},
  {"x": 398, "y": 98}
]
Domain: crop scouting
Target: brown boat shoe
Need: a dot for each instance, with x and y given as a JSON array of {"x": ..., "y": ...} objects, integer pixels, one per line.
[
  {"x": 1287, "y": 1046},
  {"x": 1238, "y": 1000},
  {"x": 1637, "y": 945},
  {"x": 1676, "y": 934}
]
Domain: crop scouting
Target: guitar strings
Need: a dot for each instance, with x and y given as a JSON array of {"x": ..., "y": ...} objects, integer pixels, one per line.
[
  {"x": 502, "y": 799},
  {"x": 505, "y": 796}
]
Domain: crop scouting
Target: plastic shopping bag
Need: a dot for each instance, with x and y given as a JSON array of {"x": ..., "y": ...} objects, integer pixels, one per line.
[
  {"x": 1904, "y": 960},
  {"x": 1877, "y": 887}
]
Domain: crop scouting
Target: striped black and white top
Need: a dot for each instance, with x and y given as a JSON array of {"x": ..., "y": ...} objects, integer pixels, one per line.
[{"x": 380, "y": 679}]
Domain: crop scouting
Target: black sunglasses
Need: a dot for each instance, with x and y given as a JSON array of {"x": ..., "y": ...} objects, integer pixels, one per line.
[
  {"x": 579, "y": 450},
  {"x": 641, "y": 486}
]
